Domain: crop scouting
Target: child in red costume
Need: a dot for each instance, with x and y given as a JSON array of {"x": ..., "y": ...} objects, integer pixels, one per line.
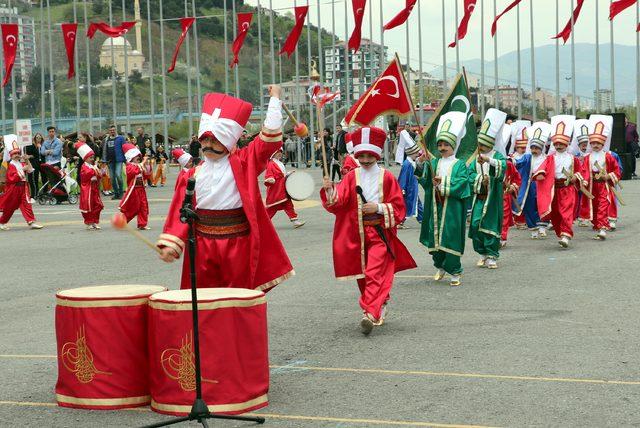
[
  {"x": 90, "y": 202},
  {"x": 277, "y": 197},
  {"x": 185, "y": 161},
  {"x": 134, "y": 202},
  {"x": 359, "y": 249},
  {"x": 349, "y": 162},
  {"x": 16, "y": 192},
  {"x": 519, "y": 142}
]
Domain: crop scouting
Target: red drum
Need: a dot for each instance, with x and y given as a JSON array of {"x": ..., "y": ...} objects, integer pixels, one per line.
[
  {"x": 233, "y": 350},
  {"x": 102, "y": 346}
]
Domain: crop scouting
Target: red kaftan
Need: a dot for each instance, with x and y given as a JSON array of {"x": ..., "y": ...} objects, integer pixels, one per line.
[
  {"x": 90, "y": 202},
  {"x": 134, "y": 202},
  {"x": 598, "y": 209},
  {"x": 512, "y": 177},
  {"x": 16, "y": 195},
  {"x": 348, "y": 164}
]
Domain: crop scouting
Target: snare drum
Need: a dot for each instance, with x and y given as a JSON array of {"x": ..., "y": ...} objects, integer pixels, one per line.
[
  {"x": 233, "y": 350},
  {"x": 299, "y": 186},
  {"x": 102, "y": 346}
]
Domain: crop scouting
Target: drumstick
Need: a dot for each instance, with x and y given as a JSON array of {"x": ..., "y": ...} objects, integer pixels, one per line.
[{"x": 119, "y": 221}]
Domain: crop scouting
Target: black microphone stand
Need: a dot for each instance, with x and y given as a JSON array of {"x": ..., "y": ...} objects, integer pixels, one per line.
[{"x": 199, "y": 411}]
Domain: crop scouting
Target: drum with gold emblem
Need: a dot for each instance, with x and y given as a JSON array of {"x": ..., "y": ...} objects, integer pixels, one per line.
[
  {"x": 103, "y": 354},
  {"x": 233, "y": 350}
]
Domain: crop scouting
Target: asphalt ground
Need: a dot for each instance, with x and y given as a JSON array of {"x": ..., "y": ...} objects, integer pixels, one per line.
[{"x": 548, "y": 339}]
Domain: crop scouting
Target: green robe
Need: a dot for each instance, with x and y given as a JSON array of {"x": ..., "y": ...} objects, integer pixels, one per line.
[
  {"x": 487, "y": 214},
  {"x": 443, "y": 225}
]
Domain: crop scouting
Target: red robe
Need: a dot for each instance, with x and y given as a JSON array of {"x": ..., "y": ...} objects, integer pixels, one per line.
[
  {"x": 348, "y": 164},
  {"x": 90, "y": 202},
  {"x": 598, "y": 209},
  {"x": 276, "y": 191},
  {"x": 266, "y": 258},
  {"x": 134, "y": 202},
  {"x": 512, "y": 177},
  {"x": 15, "y": 196},
  {"x": 557, "y": 202}
]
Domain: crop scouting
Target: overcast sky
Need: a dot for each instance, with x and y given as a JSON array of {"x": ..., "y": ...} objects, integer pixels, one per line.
[{"x": 431, "y": 12}]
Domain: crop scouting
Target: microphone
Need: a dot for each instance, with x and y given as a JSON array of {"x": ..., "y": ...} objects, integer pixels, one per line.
[{"x": 186, "y": 212}]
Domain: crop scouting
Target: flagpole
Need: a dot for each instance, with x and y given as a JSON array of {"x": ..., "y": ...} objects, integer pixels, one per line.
[
  {"x": 457, "y": 44},
  {"x": 597, "y": 60},
  {"x": 637, "y": 64},
  {"x": 297, "y": 61},
  {"x": 421, "y": 87},
  {"x": 235, "y": 34},
  {"x": 534, "y": 100},
  {"x": 89, "y": 97},
  {"x": 261, "y": 78},
  {"x": 613, "y": 68},
  {"x": 557, "y": 59},
  {"x": 383, "y": 60},
  {"x": 43, "y": 103},
  {"x": 14, "y": 93},
  {"x": 165, "y": 112},
  {"x": 226, "y": 49},
  {"x": 346, "y": 56},
  {"x": 196, "y": 47},
  {"x": 271, "y": 44},
  {"x": 311, "y": 124},
  {"x": 408, "y": 71},
  {"x": 482, "y": 100},
  {"x": 113, "y": 69},
  {"x": 2, "y": 100},
  {"x": 51, "y": 83},
  {"x": 444, "y": 50},
  {"x": 151, "y": 76},
  {"x": 573, "y": 63},
  {"x": 495, "y": 61},
  {"x": 75, "y": 65},
  {"x": 519, "y": 62},
  {"x": 189, "y": 90},
  {"x": 333, "y": 68},
  {"x": 126, "y": 71}
]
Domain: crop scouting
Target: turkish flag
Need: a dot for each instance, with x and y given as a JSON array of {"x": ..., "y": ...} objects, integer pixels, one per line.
[
  {"x": 469, "y": 7},
  {"x": 618, "y": 6},
  {"x": 244, "y": 22},
  {"x": 402, "y": 16},
  {"x": 9, "y": 47},
  {"x": 185, "y": 23},
  {"x": 494, "y": 26},
  {"x": 388, "y": 94},
  {"x": 69, "y": 32},
  {"x": 566, "y": 31},
  {"x": 292, "y": 39},
  {"x": 358, "y": 14},
  {"x": 109, "y": 31}
]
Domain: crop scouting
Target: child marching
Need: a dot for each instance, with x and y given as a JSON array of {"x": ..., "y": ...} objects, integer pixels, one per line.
[
  {"x": 277, "y": 197},
  {"x": 517, "y": 150},
  {"x": 368, "y": 206},
  {"x": 511, "y": 183},
  {"x": 134, "y": 203},
  {"x": 90, "y": 201},
  {"x": 409, "y": 185},
  {"x": 349, "y": 162}
]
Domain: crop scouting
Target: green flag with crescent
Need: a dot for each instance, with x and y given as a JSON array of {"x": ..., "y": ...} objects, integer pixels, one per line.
[{"x": 457, "y": 99}]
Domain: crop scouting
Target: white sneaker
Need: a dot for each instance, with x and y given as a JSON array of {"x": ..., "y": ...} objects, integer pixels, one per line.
[
  {"x": 89, "y": 227},
  {"x": 612, "y": 225},
  {"x": 564, "y": 242},
  {"x": 503, "y": 244},
  {"x": 534, "y": 234},
  {"x": 366, "y": 324},
  {"x": 543, "y": 232},
  {"x": 96, "y": 227},
  {"x": 298, "y": 223},
  {"x": 4, "y": 227},
  {"x": 455, "y": 280},
  {"x": 491, "y": 263},
  {"x": 144, "y": 228},
  {"x": 481, "y": 262},
  {"x": 383, "y": 315},
  {"x": 32, "y": 201},
  {"x": 439, "y": 275},
  {"x": 35, "y": 225},
  {"x": 601, "y": 235}
]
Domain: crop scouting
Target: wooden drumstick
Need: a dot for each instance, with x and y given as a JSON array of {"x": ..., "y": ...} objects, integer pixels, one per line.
[{"x": 119, "y": 221}]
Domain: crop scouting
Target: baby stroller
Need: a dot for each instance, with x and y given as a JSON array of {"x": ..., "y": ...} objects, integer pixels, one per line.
[{"x": 61, "y": 189}]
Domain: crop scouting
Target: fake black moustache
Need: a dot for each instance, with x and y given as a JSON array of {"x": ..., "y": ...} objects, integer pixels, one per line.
[{"x": 210, "y": 149}]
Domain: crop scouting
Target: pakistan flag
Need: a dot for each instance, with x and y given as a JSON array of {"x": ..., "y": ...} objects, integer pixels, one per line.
[{"x": 456, "y": 100}]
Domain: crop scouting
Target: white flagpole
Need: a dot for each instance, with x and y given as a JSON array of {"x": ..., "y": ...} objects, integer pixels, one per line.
[
  {"x": 519, "y": 62},
  {"x": 333, "y": 68},
  {"x": 408, "y": 71},
  {"x": 89, "y": 97},
  {"x": 482, "y": 99},
  {"x": 14, "y": 92},
  {"x": 126, "y": 72},
  {"x": 197, "y": 57},
  {"x": 346, "y": 56},
  {"x": 226, "y": 49},
  {"x": 271, "y": 44},
  {"x": 189, "y": 90},
  {"x": 113, "y": 69},
  {"x": 51, "y": 83},
  {"x": 311, "y": 106},
  {"x": 151, "y": 76},
  {"x": 444, "y": 51},
  {"x": 557, "y": 59},
  {"x": 235, "y": 34},
  {"x": 383, "y": 60},
  {"x": 637, "y": 65},
  {"x": 573, "y": 64},
  {"x": 613, "y": 70},
  {"x": 43, "y": 103},
  {"x": 297, "y": 60},
  {"x": 2, "y": 100},
  {"x": 495, "y": 62},
  {"x": 75, "y": 64},
  {"x": 456, "y": 35},
  {"x": 260, "y": 58},
  {"x": 534, "y": 101},
  {"x": 597, "y": 59},
  {"x": 163, "y": 65},
  {"x": 421, "y": 85}
]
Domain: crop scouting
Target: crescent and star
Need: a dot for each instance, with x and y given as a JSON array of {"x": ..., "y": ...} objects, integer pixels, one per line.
[{"x": 393, "y": 79}]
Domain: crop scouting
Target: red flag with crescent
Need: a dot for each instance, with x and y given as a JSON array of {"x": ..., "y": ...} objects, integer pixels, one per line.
[
  {"x": 358, "y": 15},
  {"x": 618, "y": 6},
  {"x": 244, "y": 22},
  {"x": 494, "y": 26},
  {"x": 469, "y": 7},
  {"x": 69, "y": 32},
  {"x": 104, "y": 28},
  {"x": 9, "y": 47},
  {"x": 402, "y": 16},
  {"x": 185, "y": 23},
  {"x": 566, "y": 31},
  {"x": 388, "y": 94},
  {"x": 292, "y": 39}
]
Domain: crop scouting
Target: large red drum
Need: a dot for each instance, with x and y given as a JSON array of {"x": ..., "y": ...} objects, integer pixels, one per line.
[
  {"x": 233, "y": 350},
  {"x": 102, "y": 346}
]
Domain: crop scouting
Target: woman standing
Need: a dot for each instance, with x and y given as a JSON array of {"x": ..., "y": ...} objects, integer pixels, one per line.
[{"x": 32, "y": 153}]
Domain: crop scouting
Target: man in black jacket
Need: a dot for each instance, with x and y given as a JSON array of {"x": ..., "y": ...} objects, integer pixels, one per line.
[{"x": 340, "y": 145}]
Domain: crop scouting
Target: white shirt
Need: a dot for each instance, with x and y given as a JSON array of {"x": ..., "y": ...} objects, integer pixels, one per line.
[
  {"x": 483, "y": 168},
  {"x": 216, "y": 186},
  {"x": 281, "y": 166},
  {"x": 599, "y": 157},
  {"x": 445, "y": 166},
  {"x": 19, "y": 168},
  {"x": 536, "y": 161},
  {"x": 563, "y": 161},
  {"x": 370, "y": 183},
  {"x": 517, "y": 156}
]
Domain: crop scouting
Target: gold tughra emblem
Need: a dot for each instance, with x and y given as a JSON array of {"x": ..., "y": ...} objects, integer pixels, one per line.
[
  {"x": 178, "y": 364},
  {"x": 78, "y": 359}
]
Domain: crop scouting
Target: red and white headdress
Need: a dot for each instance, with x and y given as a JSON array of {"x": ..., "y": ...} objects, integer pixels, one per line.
[
  {"x": 84, "y": 151},
  {"x": 368, "y": 139},
  {"x": 224, "y": 118},
  {"x": 181, "y": 156},
  {"x": 600, "y": 126},
  {"x": 562, "y": 128},
  {"x": 130, "y": 151},
  {"x": 348, "y": 142},
  {"x": 11, "y": 144}
]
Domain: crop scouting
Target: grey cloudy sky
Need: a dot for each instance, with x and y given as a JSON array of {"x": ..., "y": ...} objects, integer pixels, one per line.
[{"x": 431, "y": 13}]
